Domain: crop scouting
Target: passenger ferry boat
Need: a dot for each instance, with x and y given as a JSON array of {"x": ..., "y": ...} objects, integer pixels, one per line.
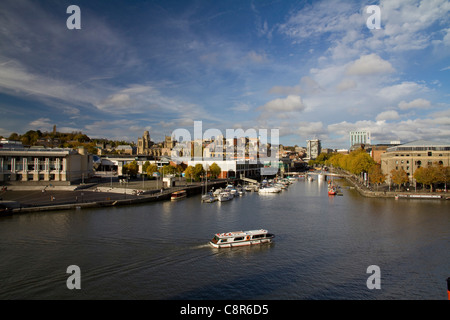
[
  {"x": 241, "y": 238},
  {"x": 177, "y": 195}
]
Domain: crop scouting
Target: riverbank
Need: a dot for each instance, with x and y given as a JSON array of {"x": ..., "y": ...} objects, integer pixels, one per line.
[
  {"x": 24, "y": 200},
  {"x": 366, "y": 192}
]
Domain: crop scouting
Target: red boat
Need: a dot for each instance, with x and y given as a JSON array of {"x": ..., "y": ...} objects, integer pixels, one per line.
[{"x": 331, "y": 190}]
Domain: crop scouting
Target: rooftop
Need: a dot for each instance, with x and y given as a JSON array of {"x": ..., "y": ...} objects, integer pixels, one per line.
[{"x": 422, "y": 145}]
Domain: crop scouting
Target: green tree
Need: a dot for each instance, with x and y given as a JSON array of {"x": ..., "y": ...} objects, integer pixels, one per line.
[
  {"x": 150, "y": 169},
  {"x": 167, "y": 169},
  {"x": 443, "y": 175},
  {"x": 198, "y": 171},
  {"x": 179, "y": 169},
  {"x": 31, "y": 137},
  {"x": 360, "y": 161},
  {"x": 145, "y": 166},
  {"x": 334, "y": 160},
  {"x": 215, "y": 170},
  {"x": 14, "y": 136},
  {"x": 189, "y": 173},
  {"x": 322, "y": 158},
  {"x": 131, "y": 168},
  {"x": 399, "y": 177},
  {"x": 427, "y": 176},
  {"x": 376, "y": 175}
]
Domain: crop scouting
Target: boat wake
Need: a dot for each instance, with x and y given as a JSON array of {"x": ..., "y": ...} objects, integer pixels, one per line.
[{"x": 202, "y": 246}]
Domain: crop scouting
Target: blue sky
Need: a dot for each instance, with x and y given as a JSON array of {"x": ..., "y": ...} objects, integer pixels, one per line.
[{"x": 312, "y": 69}]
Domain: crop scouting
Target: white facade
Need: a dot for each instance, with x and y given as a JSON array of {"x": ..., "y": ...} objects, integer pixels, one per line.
[
  {"x": 359, "y": 137},
  {"x": 313, "y": 149},
  {"x": 29, "y": 164},
  {"x": 232, "y": 168}
]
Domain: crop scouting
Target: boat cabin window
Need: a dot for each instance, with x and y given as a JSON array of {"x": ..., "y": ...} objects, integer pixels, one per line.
[
  {"x": 259, "y": 236},
  {"x": 223, "y": 240},
  {"x": 215, "y": 239},
  {"x": 238, "y": 238}
]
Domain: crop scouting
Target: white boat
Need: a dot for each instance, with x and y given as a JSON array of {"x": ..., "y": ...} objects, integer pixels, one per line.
[
  {"x": 224, "y": 196},
  {"x": 177, "y": 195},
  {"x": 269, "y": 190},
  {"x": 241, "y": 238},
  {"x": 280, "y": 186},
  {"x": 208, "y": 198},
  {"x": 232, "y": 190}
]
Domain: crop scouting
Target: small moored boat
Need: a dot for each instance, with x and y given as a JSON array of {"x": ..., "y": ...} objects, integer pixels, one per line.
[
  {"x": 273, "y": 189},
  {"x": 208, "y": 198},
  {"x": 241, "y": 238},
  {"x": 225, "y": 196},
  {"x": 177, "y": 195},
  {"x": 331, "y": 190}
]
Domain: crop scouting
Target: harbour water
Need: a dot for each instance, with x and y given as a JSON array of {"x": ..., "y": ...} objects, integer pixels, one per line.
[{"x": 323, "y": 247}]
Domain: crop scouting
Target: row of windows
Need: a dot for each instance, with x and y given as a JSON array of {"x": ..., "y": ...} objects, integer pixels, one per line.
[
  {"x": 29, "y": 159},
  {"x": 419, "y": 148},
  {"x": 418, "y": 162},
  {"x": 417, "y": 155},
  {"x": 257, "y": 236}
]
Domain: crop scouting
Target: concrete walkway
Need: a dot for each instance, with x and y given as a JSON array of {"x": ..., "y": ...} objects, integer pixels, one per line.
[{"x": 56, "y": 198}]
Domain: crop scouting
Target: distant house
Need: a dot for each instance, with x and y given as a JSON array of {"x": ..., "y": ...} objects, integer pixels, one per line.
[{"x": 125, "y": 149}]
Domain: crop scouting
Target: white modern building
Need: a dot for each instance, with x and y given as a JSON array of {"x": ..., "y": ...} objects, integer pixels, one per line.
[
  {"x": 232, "y": 168},
  {"x": 359, "y": 137}
]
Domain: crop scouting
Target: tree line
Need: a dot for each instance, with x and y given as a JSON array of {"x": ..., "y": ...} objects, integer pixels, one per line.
[
  {"x": 192, "y": 173},
  {"x": 62, "y": 140},
  {"x": 360, "y": 161}
]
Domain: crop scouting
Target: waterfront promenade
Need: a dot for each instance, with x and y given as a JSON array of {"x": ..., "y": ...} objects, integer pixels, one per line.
[
  {"x": 381, "y": 192},
  {"x": 45, "y": 198}
]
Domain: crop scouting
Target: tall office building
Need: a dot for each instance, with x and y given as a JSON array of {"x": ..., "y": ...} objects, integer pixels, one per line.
[
  {"x": 313, "y": 149},
  {"x": 359, "y": 137}
]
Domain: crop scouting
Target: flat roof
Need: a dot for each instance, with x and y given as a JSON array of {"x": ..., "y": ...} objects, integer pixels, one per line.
[
  {"x": 421, "y": 145},
  {"x": 37, "y": 152}
]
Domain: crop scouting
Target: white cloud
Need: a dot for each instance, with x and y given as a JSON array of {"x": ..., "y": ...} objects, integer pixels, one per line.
[
  {"x": 436, "y": 128},
  {"x": 368, "y": 65},
  {"x": 286, "y": 90},
  {"x": 312, "y": 129},
  {"x": 291, "y": 103},
  {"x": 387, "y": 115},
  {"x": 149, "y": 101},
  {"x": 241, "y": 107},
  {"x": 398, "y": 91},
  {"x": 43, "y": 124},
  {"x": 415, "y": 104},
  {"x": 346, "y": 84},
  {"x": 320, "y": 18}
]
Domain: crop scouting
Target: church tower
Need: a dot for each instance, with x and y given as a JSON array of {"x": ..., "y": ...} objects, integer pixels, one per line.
[{"x": 144, "y": 143}]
